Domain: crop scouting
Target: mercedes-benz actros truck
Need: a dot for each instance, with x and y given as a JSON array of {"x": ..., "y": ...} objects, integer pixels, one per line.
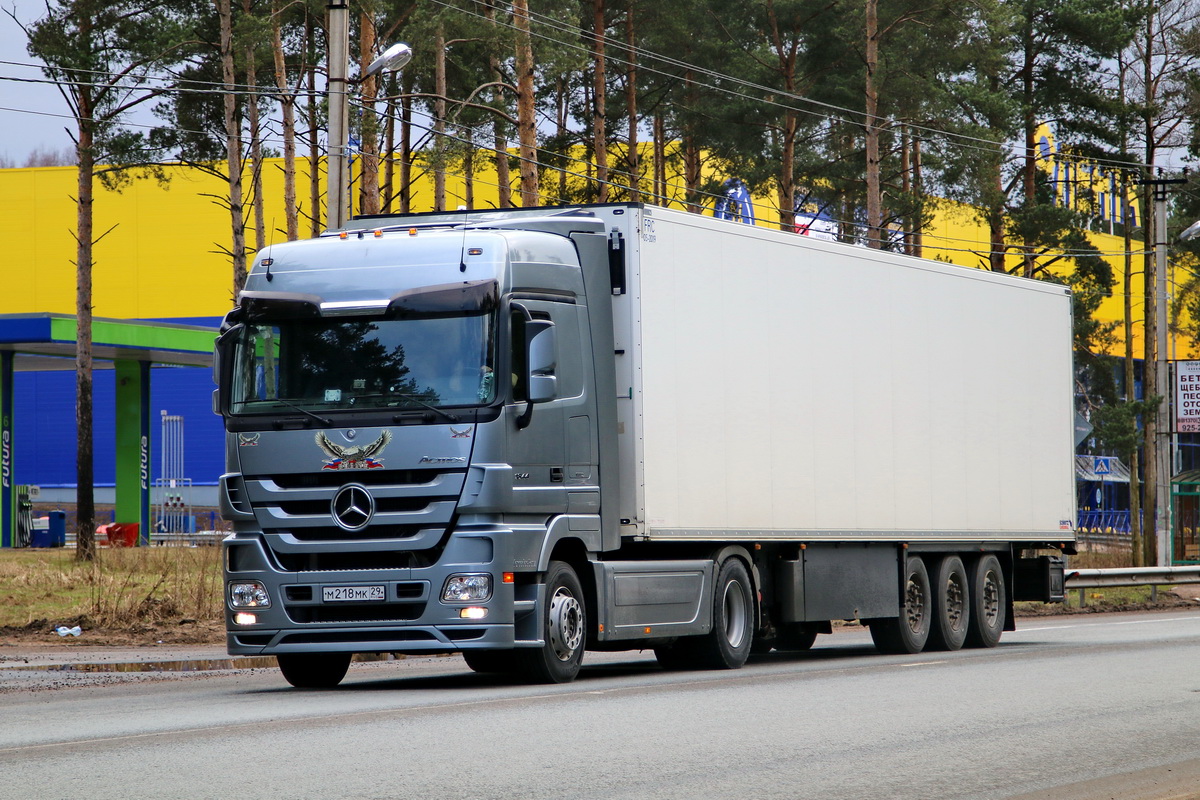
[{"x": 519, "y": 435}]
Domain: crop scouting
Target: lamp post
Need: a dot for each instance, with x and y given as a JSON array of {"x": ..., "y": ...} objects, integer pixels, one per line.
[{"x": 394, "y": 58}]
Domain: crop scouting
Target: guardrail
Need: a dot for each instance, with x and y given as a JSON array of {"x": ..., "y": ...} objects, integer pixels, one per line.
[
  {"x": 196, "y": 539},
  {"x": 1153, "y": 577}
]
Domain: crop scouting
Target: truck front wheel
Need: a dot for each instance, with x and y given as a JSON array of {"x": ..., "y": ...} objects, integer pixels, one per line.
[
  {"x": 314, "y": 670},
  {"x": 564, "y": 629}
]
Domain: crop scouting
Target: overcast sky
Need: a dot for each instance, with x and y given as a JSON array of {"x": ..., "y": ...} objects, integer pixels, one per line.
[{"x": 32, "y": 115}]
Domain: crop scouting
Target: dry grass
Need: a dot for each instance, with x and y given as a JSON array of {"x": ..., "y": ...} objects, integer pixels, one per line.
[{"x": 121, "y": 588}]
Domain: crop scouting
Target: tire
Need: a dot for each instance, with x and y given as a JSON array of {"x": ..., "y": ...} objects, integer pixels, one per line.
[
  {"x": 951, "y": 605},
  {"x": 314, "y": 670},
  {"x": 727, "y": 645},
  {"x": 908, "y": 633},
  {"x": 564, "y": 630},
  {"x": 502, "y": 662},
  {"x": 796, "y": 637},
  {"x": 989, "y": 603}
]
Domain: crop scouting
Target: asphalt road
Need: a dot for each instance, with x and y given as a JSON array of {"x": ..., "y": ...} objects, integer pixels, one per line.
[{"x": 1074, "y": 707}]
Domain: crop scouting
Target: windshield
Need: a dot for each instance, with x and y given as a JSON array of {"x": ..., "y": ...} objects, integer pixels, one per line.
[{"x": 354, "y": 364}]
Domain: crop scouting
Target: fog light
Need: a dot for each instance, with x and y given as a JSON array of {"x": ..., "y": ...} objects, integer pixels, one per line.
[
  {"x": 242, "y": 618},
  {"x": 248, "y": 594},
  {"x": 474, "y": 612},
  {"x": 467, "y": 588}
]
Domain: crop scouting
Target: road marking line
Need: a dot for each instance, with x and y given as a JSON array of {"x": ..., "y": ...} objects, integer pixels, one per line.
[
  {"x": 1104, "y": 622},
  {"x": 924, "y": 663}
]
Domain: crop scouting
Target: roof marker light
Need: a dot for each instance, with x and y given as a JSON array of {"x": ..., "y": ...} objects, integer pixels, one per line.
[
  {"x": 412, "y": 231},
  {"x": 343, "y": 235},
  {"x": 378, "y": 232}
]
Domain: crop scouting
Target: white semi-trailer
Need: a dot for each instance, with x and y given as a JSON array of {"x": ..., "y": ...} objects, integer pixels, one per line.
[{"x": 523, "y": 434}]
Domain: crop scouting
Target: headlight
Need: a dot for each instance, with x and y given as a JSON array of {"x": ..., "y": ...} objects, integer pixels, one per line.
[
  {"x": 249, "y": 594},
  {"x": 467, "y": 588}
]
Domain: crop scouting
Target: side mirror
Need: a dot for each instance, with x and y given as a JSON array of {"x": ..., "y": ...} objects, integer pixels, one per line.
[
  {"x": 542, "y": 346},
  {"x": 223, "y": 368}
]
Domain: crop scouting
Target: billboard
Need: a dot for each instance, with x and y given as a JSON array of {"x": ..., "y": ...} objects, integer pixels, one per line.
[{"x": 1187, "y": 396}]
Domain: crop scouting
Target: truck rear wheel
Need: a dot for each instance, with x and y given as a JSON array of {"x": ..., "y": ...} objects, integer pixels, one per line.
[
  {"x": 989, "y": 603},
  {"x": 564, "y": 630},
  {"x": 314, "y": 670},
  {"x": 951, "y": 605},
  {"x": 908, "y": 633}
]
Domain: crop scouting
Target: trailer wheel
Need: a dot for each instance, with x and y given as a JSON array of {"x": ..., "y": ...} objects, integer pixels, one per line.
[
  {"x": 314, "y": 670},
  {"x": 909, "y": 632},
  {"x": 951, "y": 605},
  {"x": 564, "y": 630},
  {"x": 503, "y": 662},
  {"x": 989, "y": 603}
]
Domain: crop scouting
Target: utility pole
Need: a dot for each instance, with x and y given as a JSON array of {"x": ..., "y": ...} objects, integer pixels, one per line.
[
  {"x": 394, "y": 58},
  {"x": 1159, "y": 460},
  {"x": 339, "y": 113}
]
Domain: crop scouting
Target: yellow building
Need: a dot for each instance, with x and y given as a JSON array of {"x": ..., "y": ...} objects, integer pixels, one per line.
[{"x": 162, "y": 247}]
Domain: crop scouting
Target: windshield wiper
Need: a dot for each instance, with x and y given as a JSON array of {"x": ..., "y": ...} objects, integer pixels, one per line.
[
  {"x": 328, "y": 423},
  {"x": 414, "y": 399}
]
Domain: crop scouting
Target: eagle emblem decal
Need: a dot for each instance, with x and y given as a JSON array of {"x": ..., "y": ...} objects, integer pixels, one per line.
[{"x": 356, "y": 457}]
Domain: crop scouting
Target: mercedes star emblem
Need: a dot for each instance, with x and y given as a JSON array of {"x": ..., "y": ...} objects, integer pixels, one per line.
[{"x": 353, "y": 507}]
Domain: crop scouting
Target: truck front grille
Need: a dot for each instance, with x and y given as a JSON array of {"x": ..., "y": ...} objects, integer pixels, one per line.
[
  {"x": 384, "y": 612},
  {"x": 349, "y": 562}
]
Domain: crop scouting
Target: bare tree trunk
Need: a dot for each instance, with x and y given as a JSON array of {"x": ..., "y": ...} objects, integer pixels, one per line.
[
  {"x": 660, "y": 159},
  {"x": 313, "y": 136},
  {"x": 406, "y": 155},
  {"x": 287, "y": 107},
  {"x": 85, "y": 525},
  {"x": 632, "y": 160},
  {"x": 389, "y": 149},
  {"x": 918, "y": 233},
  {"x": 233, "y": 148},
  {"x": 599, "y": 121},
  {"x": 526, "y": 119},
  {"x": 874, "y": 190},
  {"x": 503, "y": 177},
  {"x": 256, "y": 160},
  {"x": 995, "y": 219},
  {"x": 787, "y": 172},
  {"x": 906, "y": 185},
  {"x": 560, "y": 130},
  {"x": 439, "y": 119},
  {"x": 469, "y": 175},
  {"x": 369, "y": 148},
  {"x": 1030, "y": 125},
  {"x": 314, "y": 143},
  {"x": 691, "y": 151}
]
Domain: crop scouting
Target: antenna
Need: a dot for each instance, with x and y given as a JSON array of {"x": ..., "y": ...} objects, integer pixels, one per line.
[{"x": 270, "y": 261}]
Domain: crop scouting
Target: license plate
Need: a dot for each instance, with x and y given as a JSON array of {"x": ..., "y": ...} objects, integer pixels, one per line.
[{"x": 359, "y": 594}]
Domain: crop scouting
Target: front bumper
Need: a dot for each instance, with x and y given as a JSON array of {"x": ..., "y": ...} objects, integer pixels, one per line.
[{"x": 412, "y": 617}]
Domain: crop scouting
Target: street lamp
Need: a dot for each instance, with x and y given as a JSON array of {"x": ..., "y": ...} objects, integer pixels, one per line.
[{"x": 394, "y": 58}]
